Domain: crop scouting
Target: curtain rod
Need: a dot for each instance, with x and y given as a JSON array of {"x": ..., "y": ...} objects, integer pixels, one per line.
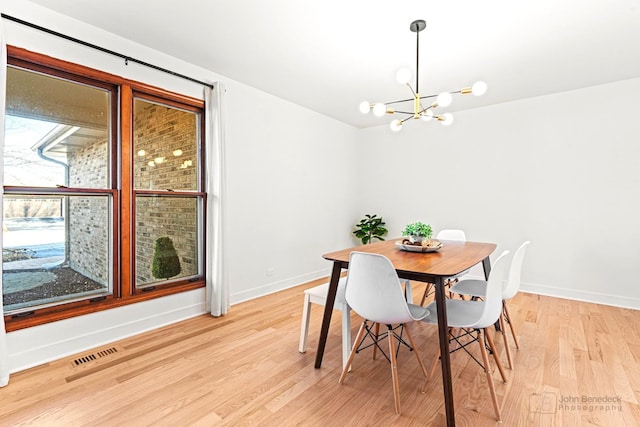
[{"x": 126, "y": 58}]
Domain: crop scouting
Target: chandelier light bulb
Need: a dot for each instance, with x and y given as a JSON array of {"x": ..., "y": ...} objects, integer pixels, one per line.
[
  {"x": 444, "y": 99},
  {"x": 479, "y": 88},
  {"x": 447, "y": 119},
  {"x": 427, "y": 115},
  {"x": 396, "y": 125},
  {"x": 364, "y": 107},
  {"x": 379, "y": 109},
  {"x": 403, "y": 76}
]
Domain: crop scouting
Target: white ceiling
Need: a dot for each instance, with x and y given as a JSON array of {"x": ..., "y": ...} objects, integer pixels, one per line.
[{"x": 330, "y": 55}]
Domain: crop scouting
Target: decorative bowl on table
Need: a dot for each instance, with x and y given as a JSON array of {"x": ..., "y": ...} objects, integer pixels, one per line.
[{"x": 427, "y": 245}]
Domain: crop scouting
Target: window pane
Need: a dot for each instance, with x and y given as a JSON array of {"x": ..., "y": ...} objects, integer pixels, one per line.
[
  {"x": 57, "y": 132},
  {"x": 165, "y": 147},
  {"x": 163, "y": 223},
  {"x": 55, "y": 248}
]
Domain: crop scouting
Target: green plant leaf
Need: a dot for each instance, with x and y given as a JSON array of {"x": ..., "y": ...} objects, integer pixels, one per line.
[
  {"x": 418, "y": 229},
  {"x": 369, "y": 228}
]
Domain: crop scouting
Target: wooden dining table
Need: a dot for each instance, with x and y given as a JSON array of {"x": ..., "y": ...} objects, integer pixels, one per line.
[{"x": 453, "y": 258}]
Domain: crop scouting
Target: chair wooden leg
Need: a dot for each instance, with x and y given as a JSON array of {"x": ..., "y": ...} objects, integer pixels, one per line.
[
  {"x": 347, "y": 367},
  {"x": 487, "y": 370},
  {"x": 346, "y": 334},
  {"x": 394, "y": 371},
  {"x": 492, "y": 346},
  {"x": 432, "y": 369},
  {"x": 513, "y": 329},
  {"x": 304, "y": 327},
  {"x": 506, "y": 342},
  {"x": 375, "y": 347},
  {"x": 415, "y": 350},
  {"x": 426, "y": 293}
]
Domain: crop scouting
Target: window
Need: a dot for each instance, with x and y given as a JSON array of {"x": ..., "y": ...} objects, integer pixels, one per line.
[
  {"x": 103, "y": 191},
  {"x": 167, "y": 193}
]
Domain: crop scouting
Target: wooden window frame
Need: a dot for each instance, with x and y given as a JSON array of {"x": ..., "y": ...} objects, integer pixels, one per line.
[{"x": 121, "y": 189}]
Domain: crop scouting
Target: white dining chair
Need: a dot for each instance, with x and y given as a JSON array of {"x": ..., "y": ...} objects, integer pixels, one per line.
[
  {"x": 477, "y": 289},
  {"x": 318, "y": 295},
  {"x": 374, "y": 291},
  {"x": 446, "y": 234},
  {"x": 474, "y": 317}
]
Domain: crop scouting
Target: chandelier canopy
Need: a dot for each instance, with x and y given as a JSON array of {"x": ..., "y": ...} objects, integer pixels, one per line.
[{"x": 420, "y": 111}]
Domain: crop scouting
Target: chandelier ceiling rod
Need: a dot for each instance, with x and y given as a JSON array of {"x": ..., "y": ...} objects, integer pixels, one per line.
[
  {"x": 416, "y": 27},
  {"x": 419, "y": 112}
]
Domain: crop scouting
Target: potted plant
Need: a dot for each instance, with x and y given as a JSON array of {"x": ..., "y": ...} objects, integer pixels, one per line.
[
  {"x": 166, "y": 262},
  {"x": 370, "y": 227},
  {"x": 417, "y": 231}
]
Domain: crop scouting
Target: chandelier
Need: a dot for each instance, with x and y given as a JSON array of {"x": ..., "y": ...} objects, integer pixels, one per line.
[{"x": 420, "y": 111}]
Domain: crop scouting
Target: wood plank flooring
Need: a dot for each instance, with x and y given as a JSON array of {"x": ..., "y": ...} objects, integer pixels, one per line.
[{"x": 579, "y": 364}]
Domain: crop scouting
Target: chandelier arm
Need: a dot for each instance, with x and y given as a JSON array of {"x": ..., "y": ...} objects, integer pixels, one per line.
[
  {"x": 411, "y": 99},
  {"x": 397, "y": 102},
  {"x": 412, "y": 91}
]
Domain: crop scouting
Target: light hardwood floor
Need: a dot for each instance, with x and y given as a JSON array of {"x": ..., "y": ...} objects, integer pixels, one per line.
[{"x": 244, "y": 369}]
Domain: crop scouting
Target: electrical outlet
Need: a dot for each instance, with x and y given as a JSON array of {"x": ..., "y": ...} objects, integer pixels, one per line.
[{"x": 271, "y": 271}]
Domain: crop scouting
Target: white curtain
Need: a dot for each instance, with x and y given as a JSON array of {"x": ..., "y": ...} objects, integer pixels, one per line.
[
  {"x": 4, "y": 354},
  {"x": 217, "y": 284}
]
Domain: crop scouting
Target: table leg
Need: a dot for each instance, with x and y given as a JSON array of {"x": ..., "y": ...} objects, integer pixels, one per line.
[
  {"x": 486, "y": 265},
  {"x": 443, "y": 332},
  {"x": 328, "y": 311}
]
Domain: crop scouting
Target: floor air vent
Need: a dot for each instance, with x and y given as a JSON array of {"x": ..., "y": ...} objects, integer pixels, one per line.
[{"x": 94, "y": 356}]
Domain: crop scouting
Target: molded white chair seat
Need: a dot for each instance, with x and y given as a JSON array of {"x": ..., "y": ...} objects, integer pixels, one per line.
[
  {"x": 318, "y": 295},
  {"x": 461, "y": 313},
  {"x": 473, "y": 287}
]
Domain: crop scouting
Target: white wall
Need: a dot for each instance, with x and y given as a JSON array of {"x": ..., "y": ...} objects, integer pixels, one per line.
[
  {"x": 291, "y": 197},
  {"x": 291, "y": 181},
  {"x": 560, "y": 170}
]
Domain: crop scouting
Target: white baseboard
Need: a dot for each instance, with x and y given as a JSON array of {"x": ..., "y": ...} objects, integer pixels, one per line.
[
  {"x": 70, "y": 336},
  {"x": 45, "y": 343},
  {"x": 584, "y": 296},
  {"x": 621, "y": 301},
  {"x": 533, "y": 288},
  {"x": 270, "y": 288}
]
